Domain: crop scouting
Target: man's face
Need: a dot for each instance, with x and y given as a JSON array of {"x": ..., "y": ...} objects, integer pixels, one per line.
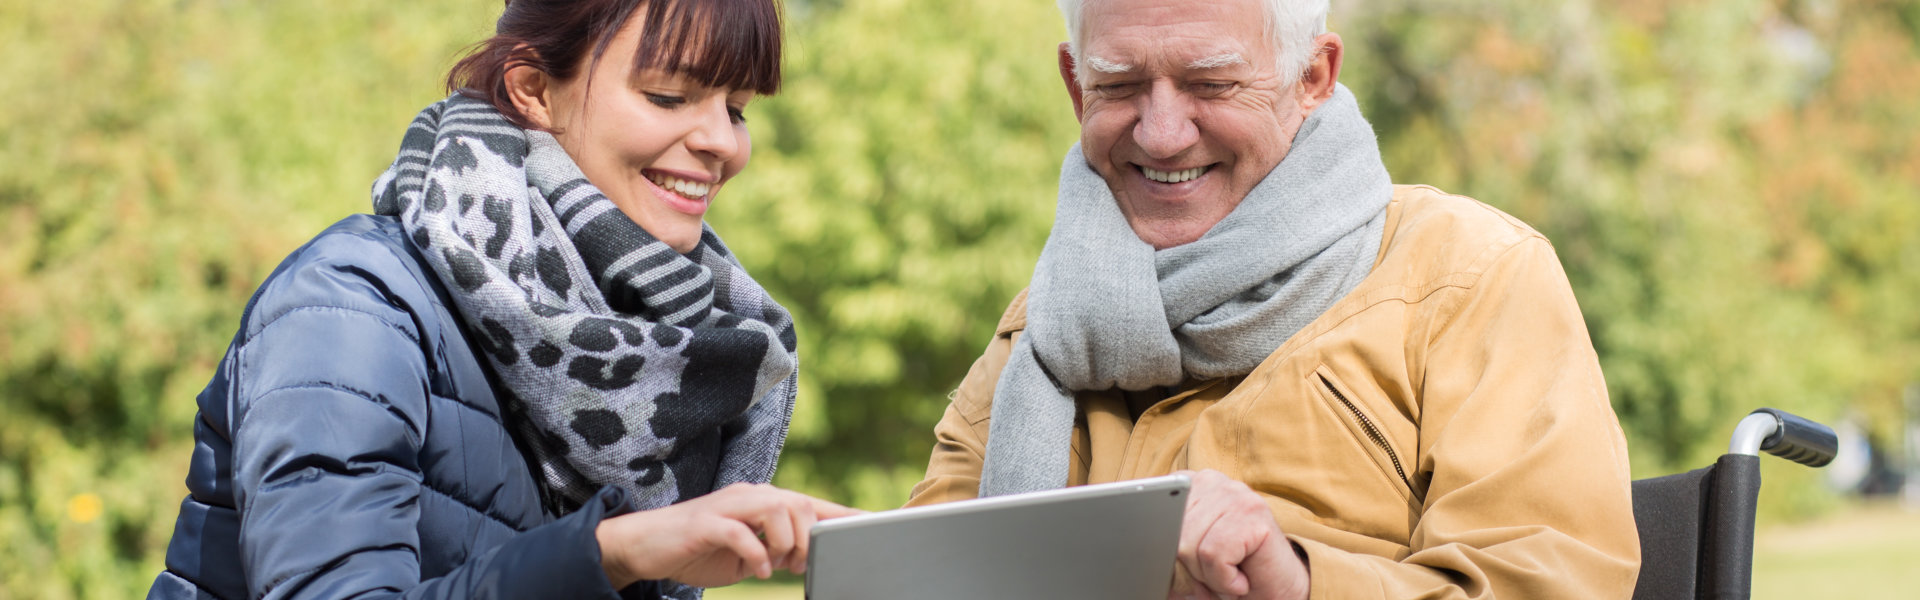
[{"x": 1182, "y": 109}]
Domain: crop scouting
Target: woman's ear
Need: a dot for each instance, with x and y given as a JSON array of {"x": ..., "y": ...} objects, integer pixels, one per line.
[{"x": 530, "y": 91}]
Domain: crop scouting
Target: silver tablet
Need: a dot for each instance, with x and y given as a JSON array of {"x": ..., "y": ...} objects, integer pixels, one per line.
[{"x": 1112, "y": 541}]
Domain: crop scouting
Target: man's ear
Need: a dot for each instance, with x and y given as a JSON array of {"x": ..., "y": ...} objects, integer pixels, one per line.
[
  {"x": 1316, "y": 84},
  {"x": 1072, "y": 78},
  {"x": 528, "y": 88}
]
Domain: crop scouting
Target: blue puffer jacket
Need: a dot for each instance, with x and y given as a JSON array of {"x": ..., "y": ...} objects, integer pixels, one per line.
[{"x": 350, "y": 445}]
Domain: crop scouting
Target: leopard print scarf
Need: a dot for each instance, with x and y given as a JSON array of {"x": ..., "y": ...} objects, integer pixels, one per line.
[{"x": 619, "y": 361}]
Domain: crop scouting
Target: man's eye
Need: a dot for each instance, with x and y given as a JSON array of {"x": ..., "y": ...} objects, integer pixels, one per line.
[
  {"x": 666, "y": 101},
  {"x": 1115, "y": 90},
  {"x": 1210, "y": 89}
]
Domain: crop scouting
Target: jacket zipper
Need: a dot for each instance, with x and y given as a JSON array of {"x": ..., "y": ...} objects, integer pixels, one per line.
[{"x": 1373, "y": 433}]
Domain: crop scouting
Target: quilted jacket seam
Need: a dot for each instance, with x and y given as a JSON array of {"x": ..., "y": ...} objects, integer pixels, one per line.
[
  {"x": 470, "y": 506},
  {"x": 269, "y": 322},
  {"x": 413, "y": 429}
]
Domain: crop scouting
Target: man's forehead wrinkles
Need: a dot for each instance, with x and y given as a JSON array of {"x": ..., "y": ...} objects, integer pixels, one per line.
[
  {"x": 1163, "y": 58},
  {"x": 1134, "y": 46}
]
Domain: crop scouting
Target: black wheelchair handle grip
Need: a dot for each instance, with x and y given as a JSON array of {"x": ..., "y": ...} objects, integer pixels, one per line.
[{"x": 1800, "y": 440}]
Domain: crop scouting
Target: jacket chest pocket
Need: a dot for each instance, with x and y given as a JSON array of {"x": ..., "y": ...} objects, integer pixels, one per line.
[{"x": 1367, "y": 432}]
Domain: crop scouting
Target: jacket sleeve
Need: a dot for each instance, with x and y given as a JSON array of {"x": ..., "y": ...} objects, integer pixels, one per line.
[
  {"x": 960, "y": 438},
  {"x": 330, "y": 410},
  {"x": 1528, "y": 492}
]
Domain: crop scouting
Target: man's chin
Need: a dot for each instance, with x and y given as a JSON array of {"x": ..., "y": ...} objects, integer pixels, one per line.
[
  {"x": 1164, "y": 235},
  {"x": 1165, "y": 218}
]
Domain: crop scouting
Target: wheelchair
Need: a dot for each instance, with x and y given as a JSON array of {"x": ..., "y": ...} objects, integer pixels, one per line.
[{"x": 1696, "y": 528}]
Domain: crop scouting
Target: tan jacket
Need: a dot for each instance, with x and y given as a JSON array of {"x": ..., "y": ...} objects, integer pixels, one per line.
[{"x": 1443, "y": 431}]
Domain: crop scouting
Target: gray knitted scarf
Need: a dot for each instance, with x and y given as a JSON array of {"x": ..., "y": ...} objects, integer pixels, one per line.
[
  {"x": 1105, "y": 310},
  {"x": 619, "y": 361}
]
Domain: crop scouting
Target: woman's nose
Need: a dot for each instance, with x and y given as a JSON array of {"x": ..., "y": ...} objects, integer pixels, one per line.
[{"x": 712, "y": 132}]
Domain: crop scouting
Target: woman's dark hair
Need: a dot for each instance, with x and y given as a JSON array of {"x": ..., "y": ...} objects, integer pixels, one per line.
[{"x": 718, "y": 43}]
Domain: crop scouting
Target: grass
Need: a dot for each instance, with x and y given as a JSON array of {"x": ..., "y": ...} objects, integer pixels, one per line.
[
  {"x": 757, "y": 590},
  {"x": 1863, "y": 552}
]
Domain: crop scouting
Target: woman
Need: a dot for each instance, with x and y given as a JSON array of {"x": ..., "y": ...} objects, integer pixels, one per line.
[{"x": 526, "y": 375}]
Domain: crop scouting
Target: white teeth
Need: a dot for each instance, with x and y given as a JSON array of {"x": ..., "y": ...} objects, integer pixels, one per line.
[
  {"x": 1173, "y": 176},
  {"x": 680, "y": 186}
]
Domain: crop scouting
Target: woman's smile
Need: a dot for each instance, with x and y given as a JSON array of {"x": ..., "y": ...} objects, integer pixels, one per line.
[{"x": 681, "y": 191}]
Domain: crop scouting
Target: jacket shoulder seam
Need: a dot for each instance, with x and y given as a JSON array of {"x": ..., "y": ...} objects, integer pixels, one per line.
[
  {"x": 1518, "y": 227},
  {"x": 369, "y": 251},
  {"x": 1015, "y": 317},
  {"x": 1464, "y": 278},
  {"x": 413, "y": 429},
  {"x": 269, "y": 322}
]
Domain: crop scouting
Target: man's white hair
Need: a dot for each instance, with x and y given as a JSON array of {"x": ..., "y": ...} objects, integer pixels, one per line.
[{"x": 1291, "y": 27}]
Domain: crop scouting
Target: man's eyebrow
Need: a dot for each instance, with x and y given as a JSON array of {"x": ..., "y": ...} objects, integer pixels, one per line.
[
  {"x": 1106, "y": 66},
  {"x": 1217, "y": 61}
]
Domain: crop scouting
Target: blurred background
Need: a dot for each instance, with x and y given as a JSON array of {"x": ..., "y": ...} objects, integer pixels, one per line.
[{"x": 1733, "y": 186}]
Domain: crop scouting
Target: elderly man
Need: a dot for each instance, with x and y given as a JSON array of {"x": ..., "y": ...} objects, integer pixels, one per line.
[{"x": 1382, "y": 391}]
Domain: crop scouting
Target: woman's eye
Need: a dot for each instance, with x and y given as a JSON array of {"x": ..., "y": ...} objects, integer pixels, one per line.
[
  {"x": 736, "y": 114},
  {"x": 666, "y": 100}
]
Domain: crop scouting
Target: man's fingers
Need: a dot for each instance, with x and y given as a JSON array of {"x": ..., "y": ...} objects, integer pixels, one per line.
[
  {"x": 1185, "y": 587},
  {"x": 1220, "y": 555},
  {"x": 1215, "y": 538},
  {"x": 1182, "y": 585},
  {"x": 1195, "y": 554},
  {"x": 1193, "y": 528},
  {"x": 1195, "y": 572}
]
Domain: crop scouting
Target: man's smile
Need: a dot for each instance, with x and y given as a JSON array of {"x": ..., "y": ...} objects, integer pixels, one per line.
[{"x": 1175, "y": 176}]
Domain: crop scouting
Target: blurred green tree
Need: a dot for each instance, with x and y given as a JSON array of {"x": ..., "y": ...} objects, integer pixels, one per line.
[
  {"x": 1730, "y": 183},
  {"x": 1719, "y": 178},
  {"x": 901, "y": 188}
]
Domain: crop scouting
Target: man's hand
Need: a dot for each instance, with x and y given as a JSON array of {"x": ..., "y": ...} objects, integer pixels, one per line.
[{"x": 1230, "y": 546}]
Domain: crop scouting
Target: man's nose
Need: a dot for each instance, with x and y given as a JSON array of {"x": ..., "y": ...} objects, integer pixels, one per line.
[{"x": 1166, "y": 124}]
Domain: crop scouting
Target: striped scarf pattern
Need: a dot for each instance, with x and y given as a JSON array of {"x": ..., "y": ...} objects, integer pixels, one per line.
[{"x": 620, "y": 361}]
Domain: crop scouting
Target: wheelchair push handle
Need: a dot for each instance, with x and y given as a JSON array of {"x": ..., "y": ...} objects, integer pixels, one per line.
[{"x": 1785, "y": 435}]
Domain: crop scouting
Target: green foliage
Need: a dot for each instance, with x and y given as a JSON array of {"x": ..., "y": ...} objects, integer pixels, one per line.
[
  {"x": 1721, "y": 179},
  {"x": 160, "y": 158},
  {"x": 1730, "y": 184},
  {"x": 899, "y": 193}
]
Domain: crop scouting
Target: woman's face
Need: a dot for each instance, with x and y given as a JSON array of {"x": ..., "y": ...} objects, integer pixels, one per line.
[{"x": 659, "y": 144}]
